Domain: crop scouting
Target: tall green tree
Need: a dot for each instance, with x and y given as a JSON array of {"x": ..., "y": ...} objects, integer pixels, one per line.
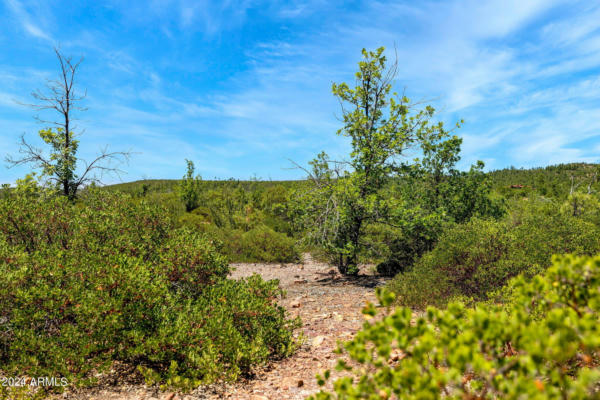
[
  {"x": 61, "y": 166},
  {"x": 381, "y": 126},
  {"x": 189, "y": 188},
  {"x": 434, "y": 182},
  {"x": 379, "y": 184}
]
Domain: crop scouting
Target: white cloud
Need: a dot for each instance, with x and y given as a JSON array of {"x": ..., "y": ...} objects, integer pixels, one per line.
[
  {"x": 210, "y": 18},
  {"x": 569, "y": 31},
  {"x": 521, "y": 94},
  {"x": 32, "y": 23}
]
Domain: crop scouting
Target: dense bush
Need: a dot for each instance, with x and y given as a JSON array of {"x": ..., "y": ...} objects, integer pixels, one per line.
[
  {"x": 263, "y": 243},
  {"x": 434, "y": 197},
  {"x": 259, "y": 243},
  {"x": 544, "y": 345},
  {"x": 396, "y": 248},
  {"x": 189, "y": 261},
  {"x": 473, "y": 259},
  {"x": 108, "y": 279},
  {"x": 250, "y": 222},
  {"x": 461, "y": 256},
  {"x": 582, "y": 205}
]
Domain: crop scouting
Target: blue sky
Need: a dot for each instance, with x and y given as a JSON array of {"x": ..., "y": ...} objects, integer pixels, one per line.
[{"x": 240, "y": 87}]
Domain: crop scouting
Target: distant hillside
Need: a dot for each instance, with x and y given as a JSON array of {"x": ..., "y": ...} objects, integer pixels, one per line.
[
  {"x": 170, "y": 185},
  {"x": 552, "y": 181}
]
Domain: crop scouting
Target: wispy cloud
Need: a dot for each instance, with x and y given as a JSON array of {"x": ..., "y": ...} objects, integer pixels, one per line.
[
  {"x": 242, "y": 86},
  {"x": 32, "y": 22},
  {"x": 206, "y": 17}
]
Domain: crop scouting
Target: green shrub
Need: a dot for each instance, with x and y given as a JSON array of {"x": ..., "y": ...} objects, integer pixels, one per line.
[
  {"x": 189, "y": 261},
  {"x": 582, "y": 205},
  {"x": 222, "y": 334},
  {"x": 544, "y": 345},
  {"x": 108, "y": 279},
  {"x": 467, "y": 260},
  {"x": 169, "y": 202},
  {"x": 400, "y": 246},
  {"x": 263, "y": 244},
  {"x": 258, "y": 244},
  {"x": 476, "y": 258},
  {"x": 203, "y": 212}
]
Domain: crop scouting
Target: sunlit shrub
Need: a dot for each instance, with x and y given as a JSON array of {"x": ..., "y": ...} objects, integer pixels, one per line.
[
  {"x": 264, "y": 244},
  {"x": 545, "y": 344},
  {"x": 476, "y": 258},
  {"x": 109, "y": 279}
]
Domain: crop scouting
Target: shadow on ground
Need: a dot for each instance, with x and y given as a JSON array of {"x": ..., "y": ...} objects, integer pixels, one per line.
[{"x": 365, "y": 281}]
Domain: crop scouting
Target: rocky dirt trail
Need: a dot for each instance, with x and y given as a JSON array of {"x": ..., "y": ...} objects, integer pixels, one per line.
[{"x": 330, "y": 308}]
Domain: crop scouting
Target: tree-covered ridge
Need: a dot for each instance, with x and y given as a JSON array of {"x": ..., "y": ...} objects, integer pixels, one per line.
[{"x": 555, "y": 181}]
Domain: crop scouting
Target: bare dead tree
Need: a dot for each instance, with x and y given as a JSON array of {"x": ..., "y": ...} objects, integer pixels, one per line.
[
  {"x": 61, "y": 165},
  {"x": 574, "y": 185},
  {"x": 593, "y": 180}
]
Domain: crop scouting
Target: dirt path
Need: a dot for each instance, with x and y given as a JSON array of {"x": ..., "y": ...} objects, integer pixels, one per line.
[{"x": 329, "y": 305}]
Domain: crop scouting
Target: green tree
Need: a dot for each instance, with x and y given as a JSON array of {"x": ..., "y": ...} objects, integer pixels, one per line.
[
  {"x": 60, "y": 166},
  {"x": 381, "y": 125},
  {"x": 189, "y": 188}
]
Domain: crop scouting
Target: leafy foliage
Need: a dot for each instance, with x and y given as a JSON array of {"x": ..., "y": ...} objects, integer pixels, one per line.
[
  {"x": 259, "y": 244},
  {"x": 436, "y": 196},
  {"x": 545, "y": 344},
  {"x": 343, "y": 201},
  {"x": 582, "y": 205},
  {"x": 476, "y": 258},
  {"x": 108, "y": 279},
  {"x": 263, "y": 243},
  {"x": 250, "y": 219},
  {"x": 251, "y": 225},
  {"x": 347, "y": 197},
  {"x": 189, "y": 188}
]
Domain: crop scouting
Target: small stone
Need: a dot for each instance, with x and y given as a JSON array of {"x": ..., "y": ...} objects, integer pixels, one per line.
[
  {"x": 318, "y": 341},
  {"x": 300, "y": 383},
  {"x": 295, "y": 304},
  {"x": 397, "y": 355}
]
